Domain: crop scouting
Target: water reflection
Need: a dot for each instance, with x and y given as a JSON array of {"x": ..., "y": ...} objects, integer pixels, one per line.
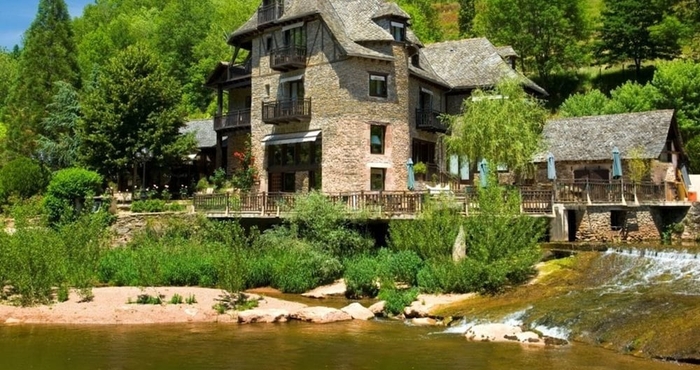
[{"x": 294, "y": 345}]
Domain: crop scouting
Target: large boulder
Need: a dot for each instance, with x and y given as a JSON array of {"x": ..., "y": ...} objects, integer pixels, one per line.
[
  {"x": 459, "y": 249},
  {"x": 320, "y": 315},
  {"x": 335, "y": 289},
  {"x": 358, "y": 311},
  {"x": 493, "y": 333},
  {"x": 425, "y": 304},
  {"x": 378, "y": 308},
  {"x": 424, "y": 321},
  {"x": 266, "y": 315}
]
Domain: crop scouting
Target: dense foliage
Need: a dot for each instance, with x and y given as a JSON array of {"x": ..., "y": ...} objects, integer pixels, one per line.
[
  {"x": 68, "y": 191},
  {"x": 22, "y": 178}
]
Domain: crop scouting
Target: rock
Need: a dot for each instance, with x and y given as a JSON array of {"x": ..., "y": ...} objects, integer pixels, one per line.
[
  {"x": 459, "y": 249},
  {"x": 378, "y": 308},
  {"x": 551, "y": 341},
  {"x": 492, "y": 332},
  {"x": 358, "y": 312},
  {"x": 424, "y": 321},
  {"x": 12, "y": 320},
  {"x": 528, "y": 337},
  {"x": 320, "y": 315},
  {"x": 426, "y": 303},
  {"x": 191, "y": 311},
  {"x": 337, "y": 288},
  {"x": 266, "y": 315}
]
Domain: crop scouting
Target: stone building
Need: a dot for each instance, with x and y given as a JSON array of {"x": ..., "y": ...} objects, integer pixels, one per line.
[
  {"x": 337, "y": 95},
  {"x": 590, "y": 202}
]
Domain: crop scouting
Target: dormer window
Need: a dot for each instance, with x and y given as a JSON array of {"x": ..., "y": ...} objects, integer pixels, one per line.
[
  {"x": 415, "y": 60},
  {"x": 398, "y": 31}
]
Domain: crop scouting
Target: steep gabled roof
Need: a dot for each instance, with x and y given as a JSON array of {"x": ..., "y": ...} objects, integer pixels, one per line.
[
  {"x": 350, "y": 21},
  {"x": 203, "y": 132},
  {"x": 472, "y": 63},
  {"x": 390, "y": 10},
  {"x": 593, "y": 138}
]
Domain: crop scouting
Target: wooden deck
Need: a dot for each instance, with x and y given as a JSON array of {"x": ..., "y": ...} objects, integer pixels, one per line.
[{"x": 535, "y": 201}]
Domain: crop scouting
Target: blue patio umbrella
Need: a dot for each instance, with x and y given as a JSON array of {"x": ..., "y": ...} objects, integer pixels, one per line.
[
  {"x": 411, "y": 175},
  {"x": 484, "y": 173},
  {"x": 617, "y": 164},
  {"x": 551, "y": 168}
]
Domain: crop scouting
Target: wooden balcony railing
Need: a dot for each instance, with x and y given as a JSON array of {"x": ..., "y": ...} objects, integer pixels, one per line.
[
  {"x": 534, "y": 200},
  {"x": 239, "y": 119},
  {"x": 614, "y": 192},
  {"x": 240, "y": 70},
  {"x": 284, "y": 111},
  {"x": 429, "y": 120},
  {"x": 271, "y": 12},
  {"x": 288, "y": 58}
]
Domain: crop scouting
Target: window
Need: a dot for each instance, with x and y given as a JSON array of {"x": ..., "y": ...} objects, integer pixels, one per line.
[
  {"x": 299, "y": 154},
  {"x": 289, "y": 180},
  {"x": 268, "y": 44},
  {"x": 295, "y": 37},
  {"x": 415, "y": 60},
  {"x": 423, "y": 151},
  {"x": 376, "y": 139},
  {"x": 377, "y": 85},
  {"x": 398, "y": 31},
  {"x": 376, "y": 179},
  {"x": 617, "y": 220}
]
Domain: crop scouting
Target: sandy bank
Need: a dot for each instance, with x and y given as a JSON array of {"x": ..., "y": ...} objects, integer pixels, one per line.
[{"x": 110, "y": 306}]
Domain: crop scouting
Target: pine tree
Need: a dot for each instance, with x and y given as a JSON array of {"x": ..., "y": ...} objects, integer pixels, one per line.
[
  {"x": 467, "y": 12},
  {"x": 48, "y": 56}
]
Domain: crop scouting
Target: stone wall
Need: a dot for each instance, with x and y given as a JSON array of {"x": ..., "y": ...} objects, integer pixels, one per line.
[
  {"x": 594, "y": 224},
  {"x": 129, "y": 224}
]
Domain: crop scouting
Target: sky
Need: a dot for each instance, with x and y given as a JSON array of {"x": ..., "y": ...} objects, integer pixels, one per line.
[{"x": 17, "y": 15}]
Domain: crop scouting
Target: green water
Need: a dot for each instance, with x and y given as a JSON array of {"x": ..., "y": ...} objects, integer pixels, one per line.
[{"x": 294, "y": 345}]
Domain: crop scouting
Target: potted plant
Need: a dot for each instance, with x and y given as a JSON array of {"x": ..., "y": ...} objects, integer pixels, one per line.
[{"x": 420, "y": 169}]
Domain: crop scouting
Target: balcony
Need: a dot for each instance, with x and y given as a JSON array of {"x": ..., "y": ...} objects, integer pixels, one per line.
[
  {"x": 270, "y": 12},
  {"x": 239, "y": 119},
  {"x": 429, "y": 120},
  {"x": 240, "y": 70},
  {"x": 285, "y": 111},
  {"x": 288, "y": 58}
]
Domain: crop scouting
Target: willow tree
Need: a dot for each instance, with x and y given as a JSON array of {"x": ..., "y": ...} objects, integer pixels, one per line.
[{"x": 502, "y": 126}]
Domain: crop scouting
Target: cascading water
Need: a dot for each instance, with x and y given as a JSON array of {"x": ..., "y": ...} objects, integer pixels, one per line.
[{"x": 635, "y": 269}]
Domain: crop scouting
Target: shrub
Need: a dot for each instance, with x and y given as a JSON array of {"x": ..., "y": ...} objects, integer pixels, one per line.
[
  {"x": 202, "y": 184},
  {"x": 148, "y": 206},
  {"x": 218, "y": 179},
  {"x": 361, "y": 277},
  {"x": 176, "y": 299},
  {"x": 22, "y": 178},
  {"x": 401, "y": 266},
  {"x": 397, "y": 300},
  {"x": 432, "y": 235},
  {"x": 67, "y": 192}
]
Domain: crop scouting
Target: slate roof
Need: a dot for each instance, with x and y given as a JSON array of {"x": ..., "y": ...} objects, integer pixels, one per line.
[
  {"x": 472, "y": 63},
  {"x": 391, "y": 9},
  {"x": 507, "y": 51},
  {"x": 350, "y": 21},
  {"x": 593, "y": 138},
  {"x": 203, "y": 131}
]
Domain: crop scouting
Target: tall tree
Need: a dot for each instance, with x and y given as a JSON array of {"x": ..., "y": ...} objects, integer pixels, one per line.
[
  {"x": 134, "y": 106},
  {"x": 467, "y": 12},
  {"x": 58, "y": 146},
  {"x": 550, "y": 35},
  {"x": 639, "y": 30},
  {"x": 424, "y": 19},
  {"x": 8, "y": 76},
  {"x": 502, "y": 126},
  {"x": 48, "y": 56}
]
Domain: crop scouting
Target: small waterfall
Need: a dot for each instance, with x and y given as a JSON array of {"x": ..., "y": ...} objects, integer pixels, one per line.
[
  {"x": 677, "y": 271},
  {"x": 514, "y": 319}
]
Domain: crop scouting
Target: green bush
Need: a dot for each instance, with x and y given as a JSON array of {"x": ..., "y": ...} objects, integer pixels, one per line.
[
  {"x": 22, "y": 178},
  {"x": 401, "y": 266},
  {"x": 431, "y": 235},
  {"x": 148, "y": 206},
  {"x": 361, "y": 276},
  {"x": 68, "y": 191},
  {"x": 396, "y": 300}
]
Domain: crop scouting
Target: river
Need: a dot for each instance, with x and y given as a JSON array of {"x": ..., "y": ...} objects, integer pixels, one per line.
[{"x": 378, "y": 344}]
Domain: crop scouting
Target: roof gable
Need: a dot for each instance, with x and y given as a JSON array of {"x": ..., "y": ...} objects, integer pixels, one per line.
[
  {"x": 472, "y": 63},
  {"x": 593, "y": 138}
]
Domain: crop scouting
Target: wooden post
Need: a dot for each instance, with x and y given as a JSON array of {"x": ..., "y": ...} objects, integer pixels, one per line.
[
  {"x": 219, "y": 150},
  {"x": 264, "y": 203}
]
